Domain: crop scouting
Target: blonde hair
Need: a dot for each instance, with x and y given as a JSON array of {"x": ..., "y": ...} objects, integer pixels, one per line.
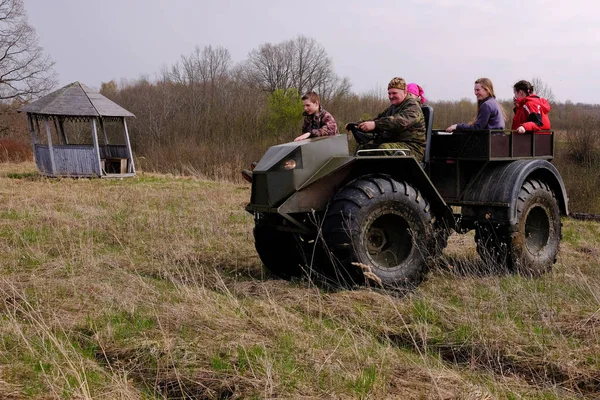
[{"x": 487, "y": 85}]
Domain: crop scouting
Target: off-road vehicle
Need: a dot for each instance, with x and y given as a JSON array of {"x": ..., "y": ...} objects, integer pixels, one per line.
[{"x": 319, "y": 208}]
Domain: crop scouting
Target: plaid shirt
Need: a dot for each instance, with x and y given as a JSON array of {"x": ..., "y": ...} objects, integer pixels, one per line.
[{"x": 320, "y": 123}]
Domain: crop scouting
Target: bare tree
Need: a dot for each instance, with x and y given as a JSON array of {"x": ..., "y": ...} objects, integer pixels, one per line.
[
  {"x": 333, "y": 87},
  {"x": 209, "y": 65},
  {"x": 311, "y": 65},
  {"x": 542, "y": 89},
  {"x": 269, "y": 67},
  {"x": 214, "y": 64},
  {"x": 25, "y": 71},
  {"x": 201, "y": 74},
  {"x": 301, "y": 63}
]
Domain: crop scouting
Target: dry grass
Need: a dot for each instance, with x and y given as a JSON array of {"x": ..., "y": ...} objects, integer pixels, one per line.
[
  {"x": 151, "y": 288},
  {"x": 15, "y": 151}
]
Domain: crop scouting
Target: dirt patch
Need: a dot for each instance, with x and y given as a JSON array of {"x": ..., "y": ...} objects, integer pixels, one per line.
[
  {"x": 202, "y": 385},
  {"x": 173, "y": 383}
]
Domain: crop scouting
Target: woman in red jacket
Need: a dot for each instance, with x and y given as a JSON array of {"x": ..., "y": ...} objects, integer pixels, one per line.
[{"x": 531, "y": 111}]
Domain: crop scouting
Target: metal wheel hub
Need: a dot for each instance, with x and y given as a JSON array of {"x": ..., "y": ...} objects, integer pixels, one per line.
[
  {"x": 537, "y": 229},
  {"x": 376, "y": 240},
  {"x": 387, "y": 239}
]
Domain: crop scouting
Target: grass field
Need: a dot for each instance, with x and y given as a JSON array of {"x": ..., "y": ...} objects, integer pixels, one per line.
[{"x": 150, "y": 288}]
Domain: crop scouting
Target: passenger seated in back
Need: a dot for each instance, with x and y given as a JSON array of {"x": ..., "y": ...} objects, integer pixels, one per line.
[
  {"x": 401, "y": 125},
  {"x": 531, "y": 111},
  {"x": 490, "y": 114},
  {"x": 417, "y": 92}
]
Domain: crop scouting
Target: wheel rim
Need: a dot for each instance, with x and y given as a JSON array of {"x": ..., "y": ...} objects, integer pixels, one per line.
[
  {"x": 537, "y": 229},
  {"x": 387, "y": 240}
]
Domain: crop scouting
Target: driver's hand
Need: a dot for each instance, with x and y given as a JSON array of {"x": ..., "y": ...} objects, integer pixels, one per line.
[
  {"x": 451, "y": 128},
  {"x": 366, "y": 126}
]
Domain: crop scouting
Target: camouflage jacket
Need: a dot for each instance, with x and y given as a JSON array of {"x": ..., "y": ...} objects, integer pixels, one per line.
[
  {"x": 320, "y": 123},
  {"x": 402, "y": 123}
]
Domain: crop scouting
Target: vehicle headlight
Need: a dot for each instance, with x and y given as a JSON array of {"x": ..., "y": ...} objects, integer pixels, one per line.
[{"x": 289, "y": 164}]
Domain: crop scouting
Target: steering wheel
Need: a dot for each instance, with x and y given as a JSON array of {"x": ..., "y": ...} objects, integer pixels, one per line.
[{"x": 361, "y": 137}]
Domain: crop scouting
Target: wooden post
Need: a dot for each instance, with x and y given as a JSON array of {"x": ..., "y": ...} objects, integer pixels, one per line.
[
  {"x": 95, "y": 138},
  {"x": 131, "y": 167},
  {"x": 50, "y": 148},
  {"x": 104, "y": 132},
  {"x": 32, "y": 130},
  {"x": 58, "y": 135},
  {"x": 37, "y": 124},
  {"x": 62, "y": 130}
]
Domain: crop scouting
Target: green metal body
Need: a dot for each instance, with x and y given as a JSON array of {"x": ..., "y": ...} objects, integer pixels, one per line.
[
  {"x": 273, "y": 183},
  {"x": 323, "y": 166}
]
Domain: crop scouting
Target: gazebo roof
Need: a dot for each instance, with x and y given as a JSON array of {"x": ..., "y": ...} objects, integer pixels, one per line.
[{"x": 76, "y": 99}]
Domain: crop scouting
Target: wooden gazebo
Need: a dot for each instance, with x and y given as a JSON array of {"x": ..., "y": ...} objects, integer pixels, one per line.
[{"x": 75, "y": 105}]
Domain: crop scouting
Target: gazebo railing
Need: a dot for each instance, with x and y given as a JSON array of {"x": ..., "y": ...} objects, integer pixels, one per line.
[{"x": 75, "y": 160}]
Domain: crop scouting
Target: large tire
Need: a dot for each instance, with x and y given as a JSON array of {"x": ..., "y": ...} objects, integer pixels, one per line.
[
  {"x": 282, "y": 252},
  {"x": 532, "y": 247},
  {"x": 385, "y": 226}
]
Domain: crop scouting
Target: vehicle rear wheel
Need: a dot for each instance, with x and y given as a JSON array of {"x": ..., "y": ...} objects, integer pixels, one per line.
[
  {"x": 281, "y": 252},
  {"x": 532, "y": 246},
  {"x": 384, "y": 226}
]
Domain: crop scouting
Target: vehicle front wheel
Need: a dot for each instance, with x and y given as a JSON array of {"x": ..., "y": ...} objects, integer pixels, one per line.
[
  {"x": 282, "y": 252},
  {"x": 381, "y": 226}
]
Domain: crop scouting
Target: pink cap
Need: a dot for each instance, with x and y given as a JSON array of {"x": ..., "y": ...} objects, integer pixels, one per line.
[{"x": 417, "y": 91}]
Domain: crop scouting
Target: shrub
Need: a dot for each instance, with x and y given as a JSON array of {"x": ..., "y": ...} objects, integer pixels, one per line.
[
  {"x": 583, "y": 135},
  {"x": 14, "y": 151},
  {"x": 284, "y": 112}
]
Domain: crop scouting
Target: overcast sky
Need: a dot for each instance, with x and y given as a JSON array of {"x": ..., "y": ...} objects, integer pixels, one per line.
[{"x": 444, "y": 45}]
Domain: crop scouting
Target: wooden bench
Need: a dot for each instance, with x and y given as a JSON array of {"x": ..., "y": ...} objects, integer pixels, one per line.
[{"x": 114, "y": 165}]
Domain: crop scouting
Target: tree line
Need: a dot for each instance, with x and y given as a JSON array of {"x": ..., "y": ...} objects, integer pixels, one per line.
[{"x": 206, "y": 115}]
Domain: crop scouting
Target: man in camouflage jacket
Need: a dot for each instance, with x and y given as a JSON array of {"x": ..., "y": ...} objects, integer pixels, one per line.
[{"x": 401, "y": 125}]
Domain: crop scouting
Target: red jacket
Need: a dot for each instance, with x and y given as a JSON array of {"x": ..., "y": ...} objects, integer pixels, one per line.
[{"x": 531, "y": 112}]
